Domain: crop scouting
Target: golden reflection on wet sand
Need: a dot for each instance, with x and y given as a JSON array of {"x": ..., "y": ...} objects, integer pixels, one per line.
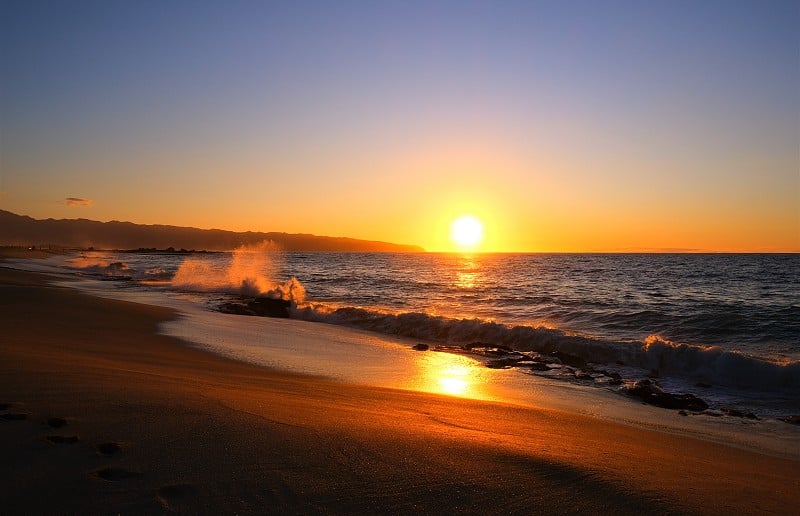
[{"x": 453, "y": 375}]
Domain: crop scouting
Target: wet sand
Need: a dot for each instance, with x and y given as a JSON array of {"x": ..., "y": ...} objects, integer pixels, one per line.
[{"x": 100, "y": 414}]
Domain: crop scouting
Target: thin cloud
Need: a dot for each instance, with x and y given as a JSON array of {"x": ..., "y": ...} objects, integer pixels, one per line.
[{"x": 77, "y": 201}]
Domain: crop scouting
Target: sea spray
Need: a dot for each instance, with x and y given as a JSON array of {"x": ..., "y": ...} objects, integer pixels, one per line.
[
  {"x": 98, "y": 263},
  {"x": 250, "y": 272}
]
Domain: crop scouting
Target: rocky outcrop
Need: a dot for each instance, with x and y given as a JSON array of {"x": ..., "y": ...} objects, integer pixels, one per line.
[
  {"x": 260, "y": 306},
  {"x": 649, "y": 392}
]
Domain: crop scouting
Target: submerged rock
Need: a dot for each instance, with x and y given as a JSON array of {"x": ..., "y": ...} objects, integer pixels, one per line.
[
  {"x": 420, "y": 347},
  {"x": 652, "y": 394}
]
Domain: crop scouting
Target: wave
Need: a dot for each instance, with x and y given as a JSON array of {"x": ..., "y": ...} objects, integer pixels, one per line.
[
  {"x": 98, "y": 264},
  {"x": 707, "y": 364},
  {"x": 249, "y": 273}
]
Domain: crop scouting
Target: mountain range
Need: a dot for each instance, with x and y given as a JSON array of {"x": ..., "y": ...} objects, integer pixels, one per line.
[{"x": 21, "y": 230}]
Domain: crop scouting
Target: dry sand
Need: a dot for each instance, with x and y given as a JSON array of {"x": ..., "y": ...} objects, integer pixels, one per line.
[{"x": 118, "y": 419}]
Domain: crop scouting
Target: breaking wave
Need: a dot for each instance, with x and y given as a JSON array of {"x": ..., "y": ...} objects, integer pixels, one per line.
[
  {"x": 249, "y": 273},
  {"x": 711, "y": 365}
]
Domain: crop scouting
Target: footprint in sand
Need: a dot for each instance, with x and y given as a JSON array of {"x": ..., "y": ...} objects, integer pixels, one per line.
[
  {"x": 63, "y": 439},
  {"x": 173, "y": 497},
  {"x": 109, "y": 448},
  {"x": 14, "y": 416},
  {"x": 116, "y": 474},
  {"x": 57, "y": 422}
]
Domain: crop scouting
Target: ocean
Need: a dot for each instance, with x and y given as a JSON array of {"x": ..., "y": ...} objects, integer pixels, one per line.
[{"x": 725, "y": 327}]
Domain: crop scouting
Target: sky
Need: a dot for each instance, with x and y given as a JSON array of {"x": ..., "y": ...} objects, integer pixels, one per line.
[{"x": 563, "y": 126}]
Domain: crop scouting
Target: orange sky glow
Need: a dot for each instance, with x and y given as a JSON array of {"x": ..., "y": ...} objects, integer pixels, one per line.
[{"x": 666, "y": 129}]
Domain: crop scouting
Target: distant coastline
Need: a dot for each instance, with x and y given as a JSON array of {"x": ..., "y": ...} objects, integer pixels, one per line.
[{"x": 20, "y": 230}]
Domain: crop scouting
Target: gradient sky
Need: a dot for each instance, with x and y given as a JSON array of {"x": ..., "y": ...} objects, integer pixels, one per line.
[{"x": 564, "y": 126}]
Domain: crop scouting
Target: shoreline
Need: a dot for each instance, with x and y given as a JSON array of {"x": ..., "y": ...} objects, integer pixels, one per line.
[{"x": 199, "y": 432}]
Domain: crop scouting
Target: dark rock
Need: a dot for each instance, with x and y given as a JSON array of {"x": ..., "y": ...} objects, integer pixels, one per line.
[
  {"x": 502, "y": 363},
  {"x": 420, "y": 347},
  {"x": 614, "y": 378},
  {"x": 260, "y": 306},
  {"x": 235, "y": 309},
  {"x": 738, "y": 413},
  {"x": 683, "y": 413},
  {"x": 537, "y": 366},
  {"x": 449, "y": 349},
  {"x": 487, "y": 346},
  {"x": 652, "y": 394},
  {"x": 570, "y": 360},
  {"x": 792, "y": 420},
  {"x": 269, "y": 307},
  {"x": 583, "y": 375}
]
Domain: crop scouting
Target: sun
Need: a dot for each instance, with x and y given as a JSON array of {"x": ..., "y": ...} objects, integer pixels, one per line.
[{"x": 466, "y": 232}]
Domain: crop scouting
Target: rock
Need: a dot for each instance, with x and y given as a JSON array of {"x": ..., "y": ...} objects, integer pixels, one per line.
[
  {"x": 738, "y": 413},
  {"x": 570, "y": 360},
  {"x": 235, "y": 309},
  {"x": 792, "y": 420},
  {"x": 652, "y": 394},
  {"x": 583, "y": 375},
  {"x": 703, "y": 385},
  {"x": 269, "y": 307},
  {"x": 420, "y": 347},
  {"x": 683, "y": 413},
  {"x": 487, "y": 346},
  {"x": 537, "y": 366},
  {"x": 502, "y": 363}
]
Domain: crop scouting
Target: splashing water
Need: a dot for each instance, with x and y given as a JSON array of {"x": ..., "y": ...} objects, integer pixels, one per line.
[{"x": 249, "y": 274}]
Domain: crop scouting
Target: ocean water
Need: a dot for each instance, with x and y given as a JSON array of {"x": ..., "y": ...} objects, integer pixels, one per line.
[{"x": 723, "y": 326}]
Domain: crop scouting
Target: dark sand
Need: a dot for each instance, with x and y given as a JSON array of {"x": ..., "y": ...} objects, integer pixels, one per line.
[{"x": 118, "y": 419}]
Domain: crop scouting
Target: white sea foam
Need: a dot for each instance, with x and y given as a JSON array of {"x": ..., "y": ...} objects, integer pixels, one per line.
[{"x": 702, "y": 364}]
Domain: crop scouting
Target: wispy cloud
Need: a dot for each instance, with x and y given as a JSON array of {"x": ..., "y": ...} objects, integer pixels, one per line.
[{"x": 77, "y": 201}]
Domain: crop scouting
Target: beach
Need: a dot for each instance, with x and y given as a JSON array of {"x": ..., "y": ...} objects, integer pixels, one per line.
[{"x": 104, "y": 415}]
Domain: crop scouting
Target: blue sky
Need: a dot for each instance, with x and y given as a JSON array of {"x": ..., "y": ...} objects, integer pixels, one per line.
[{"x": 560, "y": 123}]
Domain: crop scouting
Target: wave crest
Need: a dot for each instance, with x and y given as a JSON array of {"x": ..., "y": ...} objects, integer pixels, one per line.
[{"x": 705, "y": 364}]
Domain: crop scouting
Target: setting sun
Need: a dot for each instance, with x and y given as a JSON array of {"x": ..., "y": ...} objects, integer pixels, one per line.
[{"x": 466, "y": 232}]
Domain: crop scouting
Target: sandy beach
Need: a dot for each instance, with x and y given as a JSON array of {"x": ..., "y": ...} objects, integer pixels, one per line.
[{"x": 100, "y": 414}]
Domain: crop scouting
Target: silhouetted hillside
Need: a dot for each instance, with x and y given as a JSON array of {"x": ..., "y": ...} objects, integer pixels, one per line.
[{"x": 23, "y": 230}]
